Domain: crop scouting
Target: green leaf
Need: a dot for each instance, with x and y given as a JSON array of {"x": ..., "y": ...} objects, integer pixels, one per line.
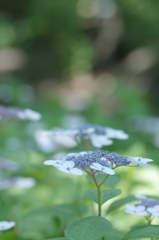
[
  {"x": 61, "y": 238},
  {"x": 55, "y": 210},
  {"x": 88, "y": 228},
  {"x": 143, "y": 232},
  {"x": 112, "y": 235},
  {"x": 105, "y": 195},
  {"x": 111, "y": 181},
  {"x": 120, "y": 202}
]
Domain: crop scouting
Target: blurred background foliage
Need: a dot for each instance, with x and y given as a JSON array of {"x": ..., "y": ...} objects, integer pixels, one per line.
[{"x": 75, "y": 61}]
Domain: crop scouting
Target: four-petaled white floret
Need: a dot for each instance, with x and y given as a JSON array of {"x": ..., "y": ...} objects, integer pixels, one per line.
[{"x": 136, "y": 210}]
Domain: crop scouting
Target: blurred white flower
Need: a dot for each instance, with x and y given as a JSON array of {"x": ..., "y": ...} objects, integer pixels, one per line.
[
  {"x": 19, "y": 182},
  {"x": 98, "y": 140},
  {"x": 136, "y": 210},
  {"x": 49, "y": 143},
  {"x": 44, "y": 141},
  {"x": 29, "y": 114},
  {"x": 25, "y": 182},
  {"x": 101, "y": 168},
  {"x": 5, "y": 225}
]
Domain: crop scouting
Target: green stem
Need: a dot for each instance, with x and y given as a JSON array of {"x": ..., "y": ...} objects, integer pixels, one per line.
[
  {"x": 98, "y": 185},
  {"x": 99, "y": 202},
  {"x": 104, "y": 180},
  {"x": 98, "y": 192}
]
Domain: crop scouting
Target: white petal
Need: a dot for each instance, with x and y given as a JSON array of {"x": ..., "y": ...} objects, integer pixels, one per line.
[
  {"x": 140, "y": 208},
  {"x": 82, "y": 153},
  {"x": 97, "y": 165},
  {"x": 119, "y": 134},
  {"x": 65, "y": 141},
  {"x": 156, "y": 214},
  {"x": 63, "y": 169},
  {"x": 68, "y": 164},
  {"x": 156, "y": 207},
  {"x": 93, "y": 167},
  {"x": 139, "y": 196},
  {"x": 76, "y": 171},
  {"x": 147, "y": 160},
  {"x": 128, "y": 211},
  {"x": 138, "y": 161},
  {"x": 144, "y": 165},
  {"x": 32, "y": 115},
  {"x": 94, "y": 141},
  {"x": 72, "y": 154},
  {"x": 53, "y": 162},
  {"x": 5, "y": 225},
  {"x": 104, "y": 140},
  {"x": 130, "y": 207},
  {"x": 108, "y": 170},
  {"x": 143, "y": 213},
  {"x": 122, "y": 136},
  {"x": 151, "y": 210},
  {"x": 89, "y": 130}
]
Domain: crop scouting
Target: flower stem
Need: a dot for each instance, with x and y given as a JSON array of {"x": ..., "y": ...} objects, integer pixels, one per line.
[
  {"x": 104, "y": 180},
  {"x": 98, "y": 193},
  {"x": 98, "y": 185},
  {"x": 99, "y": 201}
]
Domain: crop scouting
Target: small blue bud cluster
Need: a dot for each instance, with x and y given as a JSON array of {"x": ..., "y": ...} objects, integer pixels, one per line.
[
  {"x": 148, "y": 202},
  {"x": 105, "y": 158}
]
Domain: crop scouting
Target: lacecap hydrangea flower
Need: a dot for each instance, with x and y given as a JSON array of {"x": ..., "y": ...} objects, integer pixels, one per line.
[
  {"x": 145, "y": 206},
  {"x": 98, "y": 135},
  {"x": 5, "y": 225},
  {"x": 99, "y": 160}
]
